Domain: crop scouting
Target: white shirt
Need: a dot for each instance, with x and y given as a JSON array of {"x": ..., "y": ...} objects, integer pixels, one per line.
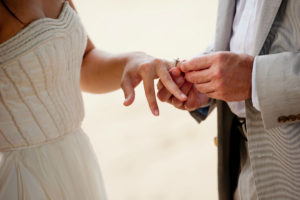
[{"x": 244, "y": 29}]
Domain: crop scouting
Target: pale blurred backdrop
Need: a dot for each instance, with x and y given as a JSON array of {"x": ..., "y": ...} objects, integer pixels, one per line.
[{"x": 143, "y": 157}]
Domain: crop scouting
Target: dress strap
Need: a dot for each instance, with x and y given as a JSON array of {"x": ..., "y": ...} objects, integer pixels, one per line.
[{"x": 11, "y": 12}]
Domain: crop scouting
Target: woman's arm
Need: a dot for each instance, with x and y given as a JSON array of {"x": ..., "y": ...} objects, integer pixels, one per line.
[{"x": 103, "y": 72}]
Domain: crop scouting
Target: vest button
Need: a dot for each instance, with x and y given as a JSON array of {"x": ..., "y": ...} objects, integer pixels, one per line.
[
  {"x": 292, "y": 118},
  {"x": 216, "y": 141},
  {"x": 283, "y": 119}
]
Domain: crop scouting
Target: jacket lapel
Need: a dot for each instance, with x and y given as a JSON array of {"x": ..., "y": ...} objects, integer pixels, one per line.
[
  {"x": 269, "y": 12},
  {"x": 226, "y": 12}
]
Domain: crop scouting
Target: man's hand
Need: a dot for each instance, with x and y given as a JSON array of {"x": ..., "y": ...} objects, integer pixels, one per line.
[
  {"x": 223, "y": 75},
  {"x": 142, "y": 67},
  {"x": 195, "y": 98}
]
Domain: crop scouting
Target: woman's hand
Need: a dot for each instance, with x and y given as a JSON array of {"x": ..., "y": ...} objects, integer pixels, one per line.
[
  {"x": 195, "y": 98},
  {"x": 142, "y": 67}
]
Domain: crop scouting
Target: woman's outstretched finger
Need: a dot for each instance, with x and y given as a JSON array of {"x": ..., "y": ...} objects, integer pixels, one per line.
[
  {"x": 169, "y": 83},
  {"x": 150, "y": 94},
  {"x": 163, "y": 94},
  {"x": 185, "y": 88},
  {"x": 175, "y": 73}
]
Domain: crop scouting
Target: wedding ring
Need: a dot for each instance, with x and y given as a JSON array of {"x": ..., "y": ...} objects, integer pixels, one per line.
[{"x": 176, "y": 61}]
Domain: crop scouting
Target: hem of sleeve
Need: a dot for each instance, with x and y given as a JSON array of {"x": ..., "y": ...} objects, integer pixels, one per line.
[{"x": 254, "y": 95}]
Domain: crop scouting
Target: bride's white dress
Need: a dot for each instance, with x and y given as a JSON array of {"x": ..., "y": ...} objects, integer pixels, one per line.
[{"x": 44, "y": 153}]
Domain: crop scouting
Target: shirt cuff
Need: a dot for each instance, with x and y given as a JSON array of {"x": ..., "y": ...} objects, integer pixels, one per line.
[
  {"x": 254, "y": 88},
  {"x": 203, "y": 110}
]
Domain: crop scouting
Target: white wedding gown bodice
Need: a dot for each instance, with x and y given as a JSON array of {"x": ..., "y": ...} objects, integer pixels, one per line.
[{"x": 44, "y": 153}]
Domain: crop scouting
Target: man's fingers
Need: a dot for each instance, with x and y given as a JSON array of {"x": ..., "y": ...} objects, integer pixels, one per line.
[
  {"x": 175, "y": 72},
  {"x": 177, "y": 103},
  {"x": 197, "y": 63},
  {"x": 150, "y": 95},
  {"x": 191, "y": 103},
  {"x": 170, "y": 84},
  {"x": 128, "y": 90},
  {"x": 201, "y": 76},
  {"x": 205, "y": 88},
  {"x": 186, "y": 87}
]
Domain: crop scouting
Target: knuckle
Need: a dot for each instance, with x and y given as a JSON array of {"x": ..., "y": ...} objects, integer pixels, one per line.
[
  {"x": 219, "y": 85},
  {"x": 184, "y": 66},
  {"x": 166, "y": 78},
  {"x": 145, "y": 68},
  {"x": 156, "y": 61},
  {"x": 190, "y": 77},
  {"x": 221, "y": 57},
  {"x": 218, "y": 73},
  {"x": 198, "y": 87}
]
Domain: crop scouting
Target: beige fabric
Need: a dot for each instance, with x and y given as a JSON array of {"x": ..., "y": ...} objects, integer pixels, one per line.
[
  {"x": 246, "y": 187},
  {"x": 44, "y": 154},
  {"x": 274, "y": 148}
]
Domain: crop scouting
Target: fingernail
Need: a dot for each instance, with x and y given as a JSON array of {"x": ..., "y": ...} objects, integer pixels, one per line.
[
  {"x": 172, "y": 73},
  {"x": 183, "y": 96},
  {"x": 125, "y": 103},
  {"x": 156, "y": 112}
]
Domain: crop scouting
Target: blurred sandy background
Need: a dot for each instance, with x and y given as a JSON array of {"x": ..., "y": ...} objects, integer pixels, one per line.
[{"x": 143, "y": 157}]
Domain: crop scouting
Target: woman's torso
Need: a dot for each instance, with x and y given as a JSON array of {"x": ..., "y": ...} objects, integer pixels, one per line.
[{"x": 40, "y": 97}]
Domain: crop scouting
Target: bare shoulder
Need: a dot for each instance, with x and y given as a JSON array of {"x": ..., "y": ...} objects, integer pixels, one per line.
[{"x": 16, "y": 14}]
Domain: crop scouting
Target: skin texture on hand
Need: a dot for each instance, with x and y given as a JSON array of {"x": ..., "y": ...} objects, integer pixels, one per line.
[
  {"x": 141, "y": 67},
  {"x": 195, "y": 98},
  {"x": 224, "y": 75}
]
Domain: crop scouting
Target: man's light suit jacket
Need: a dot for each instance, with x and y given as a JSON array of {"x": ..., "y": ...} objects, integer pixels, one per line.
[{"x": 274, "y": 131}]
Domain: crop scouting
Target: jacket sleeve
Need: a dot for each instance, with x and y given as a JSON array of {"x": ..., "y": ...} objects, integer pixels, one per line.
[
  {"x": 201, "y": 114},
  {"x": 278, "y": 88}
]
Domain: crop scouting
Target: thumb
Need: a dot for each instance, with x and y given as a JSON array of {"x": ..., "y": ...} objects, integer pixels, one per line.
[
  {"x": 175, "y": 72},
  {"x": 197, "y": 63},
  {"x": 129, "y": 93}
]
